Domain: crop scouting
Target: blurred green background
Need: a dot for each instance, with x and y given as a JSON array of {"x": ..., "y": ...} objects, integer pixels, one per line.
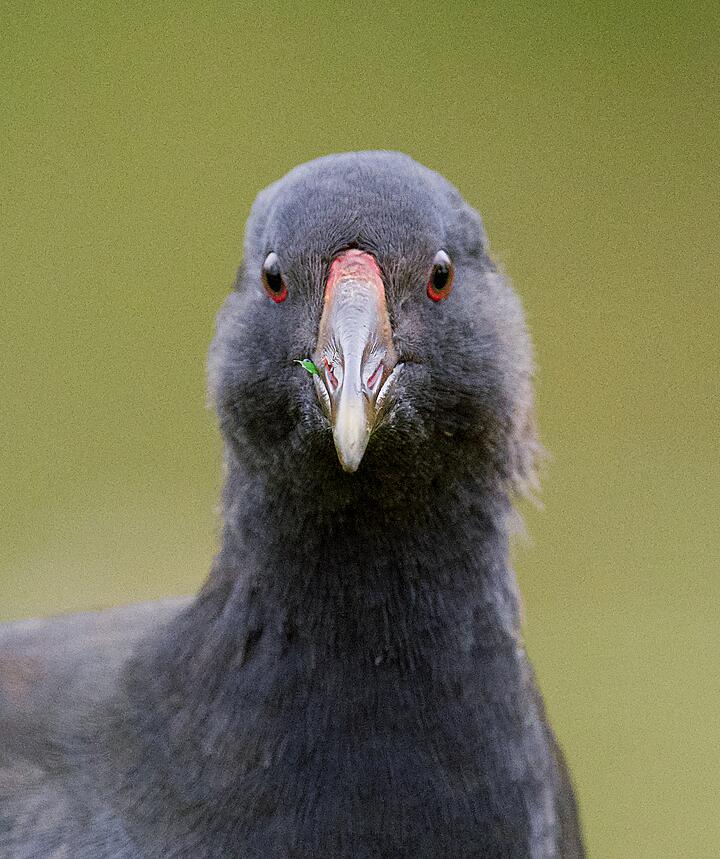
[{"x": 133, "y": 142}]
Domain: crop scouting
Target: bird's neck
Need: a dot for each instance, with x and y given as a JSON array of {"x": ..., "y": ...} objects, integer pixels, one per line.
[
  {"x": 392, "y": 621},
  {"x": 372, "y": 653},
  {"x": 363, "y": 584},
  {"x": 386, "y": 633},
  {"x": 367, "y": 577}
]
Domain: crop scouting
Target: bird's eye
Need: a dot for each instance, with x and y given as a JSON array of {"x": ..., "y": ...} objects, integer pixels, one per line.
[
  {"x": 273, "y": 280},
  {"x": 441, "y": 277}
]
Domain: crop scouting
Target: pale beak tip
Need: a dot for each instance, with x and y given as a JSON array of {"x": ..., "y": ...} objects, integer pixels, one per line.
[{"x": 350, "y": 458}]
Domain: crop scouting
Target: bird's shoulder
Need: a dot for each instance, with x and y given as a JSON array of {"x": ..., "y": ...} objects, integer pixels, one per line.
[
  {"x": 55, "y": 676},
  {"x": 48, "y": 663}
]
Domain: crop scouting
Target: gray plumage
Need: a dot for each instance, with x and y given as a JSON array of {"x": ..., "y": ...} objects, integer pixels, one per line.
[{"x": 351, "y": 680}]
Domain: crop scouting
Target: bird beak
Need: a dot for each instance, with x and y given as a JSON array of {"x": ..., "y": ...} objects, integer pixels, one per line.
[{"x": 354, "y": 354}]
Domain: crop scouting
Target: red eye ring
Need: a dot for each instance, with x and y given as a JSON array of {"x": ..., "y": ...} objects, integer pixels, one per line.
[
  {"x": 273, "y": 280},
  {"x": 441, "y": 277}
]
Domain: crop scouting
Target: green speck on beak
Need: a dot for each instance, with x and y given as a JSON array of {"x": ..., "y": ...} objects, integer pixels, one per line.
[{"x": 308, "y": 365}]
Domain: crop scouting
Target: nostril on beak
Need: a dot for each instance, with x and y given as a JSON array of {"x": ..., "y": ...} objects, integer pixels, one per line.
[
  {"x": 374, "y": 381},
  {"x": 375, "y": 377},
  {"x": 331, "y": 378}
]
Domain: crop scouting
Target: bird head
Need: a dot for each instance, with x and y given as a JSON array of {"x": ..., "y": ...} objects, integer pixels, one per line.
[{"x": 369, "y": 338}]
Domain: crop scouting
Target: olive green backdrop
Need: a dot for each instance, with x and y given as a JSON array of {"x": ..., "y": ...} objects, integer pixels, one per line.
[{"x": 132, "y": 143}]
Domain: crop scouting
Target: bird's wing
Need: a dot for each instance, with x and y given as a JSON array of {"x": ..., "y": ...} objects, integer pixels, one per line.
[
  {"x": 570, "y": 832},
  {"x": 570, "y": 842},
  {"x": 53, "y": 674},
  {"x": 71, "y": 660}
]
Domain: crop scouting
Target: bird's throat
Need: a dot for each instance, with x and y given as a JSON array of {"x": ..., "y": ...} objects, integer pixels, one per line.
[
  {"x": 355, "y": 595},
  {"x": 365, "y": 578},
  {"x": 345, "y": 650}
]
